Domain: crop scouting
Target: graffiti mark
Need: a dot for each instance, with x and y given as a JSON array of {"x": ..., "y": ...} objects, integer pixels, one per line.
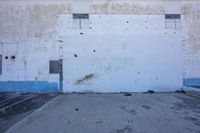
[{"x": 86, "y": 78}]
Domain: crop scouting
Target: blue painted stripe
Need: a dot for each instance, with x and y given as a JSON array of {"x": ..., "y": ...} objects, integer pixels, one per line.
[
  {"x": 28, "y": 86},
  {"x": 192, "y": 82}
]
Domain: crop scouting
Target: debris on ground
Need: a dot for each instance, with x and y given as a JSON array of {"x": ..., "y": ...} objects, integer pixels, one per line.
[
  {"x": 149, "y": 91},
  {"x": 127, "y": 94},
  {"x": 180, "y": 91}
]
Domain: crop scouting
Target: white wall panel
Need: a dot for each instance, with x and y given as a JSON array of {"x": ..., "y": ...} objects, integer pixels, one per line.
[{"x": 132, "y": 53}]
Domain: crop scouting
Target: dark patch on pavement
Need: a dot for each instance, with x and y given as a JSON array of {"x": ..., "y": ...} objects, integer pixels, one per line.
[
  {"x": 69, "y": 122},
  {"x": 146, "y": 106},
  {"x": 127, "y": 94},
  {"x": 99, "y": 122},
  {"x": 187, "y": 106},
  {"x": 190, "y": 103},
  {"x": 180, "y": 91},
  {"x": 130, "y": 121},
  {"x": 130, "y": 111},
  {"x": 15, "y": 106},
  {"x": 126, "y": 129},
  {"x": 192, "y": 119},
  {"x": 76, "y": 109}
]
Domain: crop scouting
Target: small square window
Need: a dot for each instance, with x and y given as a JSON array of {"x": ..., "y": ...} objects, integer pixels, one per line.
[
  {"x": 172, "y": 16},
  {"x": 80, "y": 16}
]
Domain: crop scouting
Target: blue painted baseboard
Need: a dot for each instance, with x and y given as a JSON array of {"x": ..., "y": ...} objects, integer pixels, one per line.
[
  {"x": 28, "y": 86},
  {"x": 192, "y": 82}
]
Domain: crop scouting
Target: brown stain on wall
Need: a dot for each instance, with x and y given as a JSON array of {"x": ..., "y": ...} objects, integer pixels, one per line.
[
  {"x": 37, "y": 18},
  {"x": 192, "y": 19},
  {"x": 125, "y": 8},
  {"x": 12, "y": 24},
  {"x": 44, "y": 18},
  {"x": 85, "y": 78},
  {"x": 99, "y": 8},
  {"x": 134, "y": 8}
]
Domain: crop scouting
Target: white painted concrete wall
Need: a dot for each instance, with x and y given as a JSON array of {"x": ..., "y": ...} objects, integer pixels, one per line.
[
  {"x": 135, "y": 56},
  {"x": 132, "y": 53}
]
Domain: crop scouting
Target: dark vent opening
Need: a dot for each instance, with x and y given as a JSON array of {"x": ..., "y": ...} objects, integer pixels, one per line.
[
  {"x": 172, "y": 16},
  {"x": 81, "y": 16}
]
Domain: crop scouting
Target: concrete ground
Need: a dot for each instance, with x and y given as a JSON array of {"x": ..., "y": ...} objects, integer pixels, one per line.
[
  {"x": 15, "y": 106},
  {"x": 115, "y": 113}
]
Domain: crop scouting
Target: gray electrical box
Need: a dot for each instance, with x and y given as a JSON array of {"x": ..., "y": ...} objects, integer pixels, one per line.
[{"x": 54, "y": 67}]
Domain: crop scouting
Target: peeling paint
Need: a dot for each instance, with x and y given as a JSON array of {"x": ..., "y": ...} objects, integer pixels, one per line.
[
  {"x": 191, "y": 47},
  {"x": 125, "y": 8},
  {"x": 100, "y": 8}
]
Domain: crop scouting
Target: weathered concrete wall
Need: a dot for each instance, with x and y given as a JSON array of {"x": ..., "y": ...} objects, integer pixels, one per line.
[
  {"x": 191, "y": 43},
  {"x": 32, "y": 26},
  {"x": 32, "y": 32}
]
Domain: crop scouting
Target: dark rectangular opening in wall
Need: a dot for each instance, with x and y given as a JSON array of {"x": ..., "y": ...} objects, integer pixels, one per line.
[
  {"x": 172, "y": 16},
  {"x": 81, "y": 16},
  {"x": 54, "y": 67},
  {"x": 0, "y": 64}
]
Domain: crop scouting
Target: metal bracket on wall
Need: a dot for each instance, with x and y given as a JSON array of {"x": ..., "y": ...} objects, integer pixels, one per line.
[{"x": 61, "y": 74}]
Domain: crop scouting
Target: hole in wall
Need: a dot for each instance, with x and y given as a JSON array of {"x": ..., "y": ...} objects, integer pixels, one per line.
[
  {"x": 12, "y": 57},
  {"x": 6, "y": 57},
  {"x": 94, "y": 50},
  {"x": 75, "y": 55},
  {"x": 60, "y": 41}
]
